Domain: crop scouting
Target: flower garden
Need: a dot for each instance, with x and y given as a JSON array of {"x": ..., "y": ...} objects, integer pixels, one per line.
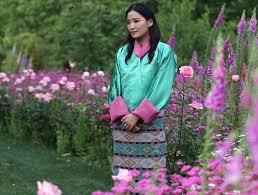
[{"x": 211, "y": 121}]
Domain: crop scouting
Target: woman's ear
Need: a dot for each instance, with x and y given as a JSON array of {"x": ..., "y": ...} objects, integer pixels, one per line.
[{"x": 150, "y": 22}]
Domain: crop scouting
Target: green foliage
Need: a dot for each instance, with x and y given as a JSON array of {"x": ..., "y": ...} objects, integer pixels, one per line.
[
  {"x": 190, "y": 34},
  {"x": 70, "y": 128},
  {"x": 4, "y": 108},
  {"x": 16, "y": 125},
  {"x": 24, "y": 163},
  {"x": 90, "y": 32}
]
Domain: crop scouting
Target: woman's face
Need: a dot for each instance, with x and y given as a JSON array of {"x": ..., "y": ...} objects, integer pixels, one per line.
[{"x": 137, "y": 25}]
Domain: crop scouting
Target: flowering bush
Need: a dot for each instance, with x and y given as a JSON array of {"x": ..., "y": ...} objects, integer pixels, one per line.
[{"x": 208, "y": 113}]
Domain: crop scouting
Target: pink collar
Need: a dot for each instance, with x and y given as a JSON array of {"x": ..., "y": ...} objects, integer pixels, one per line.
[{"x": 139, "y": 50}]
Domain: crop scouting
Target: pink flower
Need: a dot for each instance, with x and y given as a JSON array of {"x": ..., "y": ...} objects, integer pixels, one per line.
[
  {"x": 43, "y": 82},
  {"x": 122, "y": 188},
  {"x": 233, "y": 169},
  {"x": 123, "y": 175},
  {"x": 134, "y": 173},
  {"x": 106, "y": 106},
  {"x": 46, "y": 78},
  {"x": 33, "y": 76},
  {"x": 54, "y": 87},
  {"x": 39, "y": 96},
  {"x": 94, "y": 75},
  {"x": 245, "y": 98},
  {"x": 18, "y": 81},
  {"x": 186, "y": 71},
  {"x": 147, "y": 174},
  {"x": 179, "y": 163},
  {"x": 224, "y": 147},
  {"x": 186, "y": 168},
  {"x": 145, "y": 185},
  {"x": 39, "y": 88},
  {"x": 2, "y": 75},
  {"x": 70, "y": 86},
  {"x": 178, "y": 191},
  {"x": 47, "y": 188},
  {"x": 97, "y": 193},
  {"x": 196, "y": 105},
  {"x": 63, "y": 81},
  {"x": 6, "y": 80},
  {"x": 235, "y": 78},
  {"x": 72, "y": 64},
  {"x": 47, "y": 97},
  {"x": 91, "y": 92}
]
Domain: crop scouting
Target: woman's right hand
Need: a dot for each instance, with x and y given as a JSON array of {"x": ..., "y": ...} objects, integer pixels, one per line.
[{"x": 136, "y": 129}]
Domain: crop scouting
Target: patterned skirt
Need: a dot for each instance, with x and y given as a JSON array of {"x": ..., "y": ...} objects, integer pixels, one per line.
[{"x": 145, "y": 150}]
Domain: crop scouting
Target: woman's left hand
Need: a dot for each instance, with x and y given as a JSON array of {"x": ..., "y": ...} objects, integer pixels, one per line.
[{"x": 129, "y": 121}]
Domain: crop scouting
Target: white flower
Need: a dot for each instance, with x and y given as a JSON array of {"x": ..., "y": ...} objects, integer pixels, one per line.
[
  {"x": 47, "y": 188},
  {"x": 123, "y": 175},
  {"x": 91, "y": 92},
  {"x": 25, "y": 71},
  {"x": 104, "y": 89},
  {"x": 85, "y": 75},
  {"x": 18, "y": 89},
  {"x": 31, "y": 89},
  {"x": 100, "y": 73}
]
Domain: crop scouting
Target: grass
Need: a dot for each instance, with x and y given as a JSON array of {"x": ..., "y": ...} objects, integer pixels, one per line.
[{"x": 22, "y": 164}]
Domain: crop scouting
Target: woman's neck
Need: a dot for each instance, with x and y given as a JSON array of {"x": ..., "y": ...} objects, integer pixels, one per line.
[{"x": 143, "y": 40}]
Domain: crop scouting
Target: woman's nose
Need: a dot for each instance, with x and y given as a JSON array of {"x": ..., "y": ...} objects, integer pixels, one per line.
[{"x": 131, "y": 26}]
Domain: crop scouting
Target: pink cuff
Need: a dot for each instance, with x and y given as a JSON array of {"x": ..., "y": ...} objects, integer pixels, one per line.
[
  {"x": 118, "y": 109},
  {"x": 146, "y": 111}
]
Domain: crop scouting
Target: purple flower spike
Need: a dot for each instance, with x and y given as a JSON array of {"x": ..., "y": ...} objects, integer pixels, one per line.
[
  {"x": 220, "y": 18},
  {"x": 241, "y": 27},
  {"x": 216, "y": 97},
  {"x": 172, "y": 39},
  {"x": 252, "y": 23}
]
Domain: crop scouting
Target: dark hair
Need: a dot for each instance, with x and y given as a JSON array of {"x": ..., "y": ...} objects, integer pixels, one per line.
[{"x": 154, "y": 30}]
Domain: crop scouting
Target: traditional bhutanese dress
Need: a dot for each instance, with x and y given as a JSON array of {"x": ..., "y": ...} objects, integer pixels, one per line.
[{"x": 144, "y": 89}]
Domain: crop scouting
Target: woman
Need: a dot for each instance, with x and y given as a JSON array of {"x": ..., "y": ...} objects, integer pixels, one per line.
[{"x": 140, "y": 89}]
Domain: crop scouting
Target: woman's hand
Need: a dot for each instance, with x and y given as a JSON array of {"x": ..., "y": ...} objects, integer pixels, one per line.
[{"x": 130, "y": 121}]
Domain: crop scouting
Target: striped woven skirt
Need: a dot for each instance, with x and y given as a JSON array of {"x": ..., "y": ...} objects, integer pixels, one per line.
[{"x": 145, "y": 150}]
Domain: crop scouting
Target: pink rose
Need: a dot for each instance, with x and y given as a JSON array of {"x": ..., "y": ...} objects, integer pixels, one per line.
[
  {"x": 235, "y": 77},
  {"x": 106, "y": 106},
  {"x": 186, "y": 71}
]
